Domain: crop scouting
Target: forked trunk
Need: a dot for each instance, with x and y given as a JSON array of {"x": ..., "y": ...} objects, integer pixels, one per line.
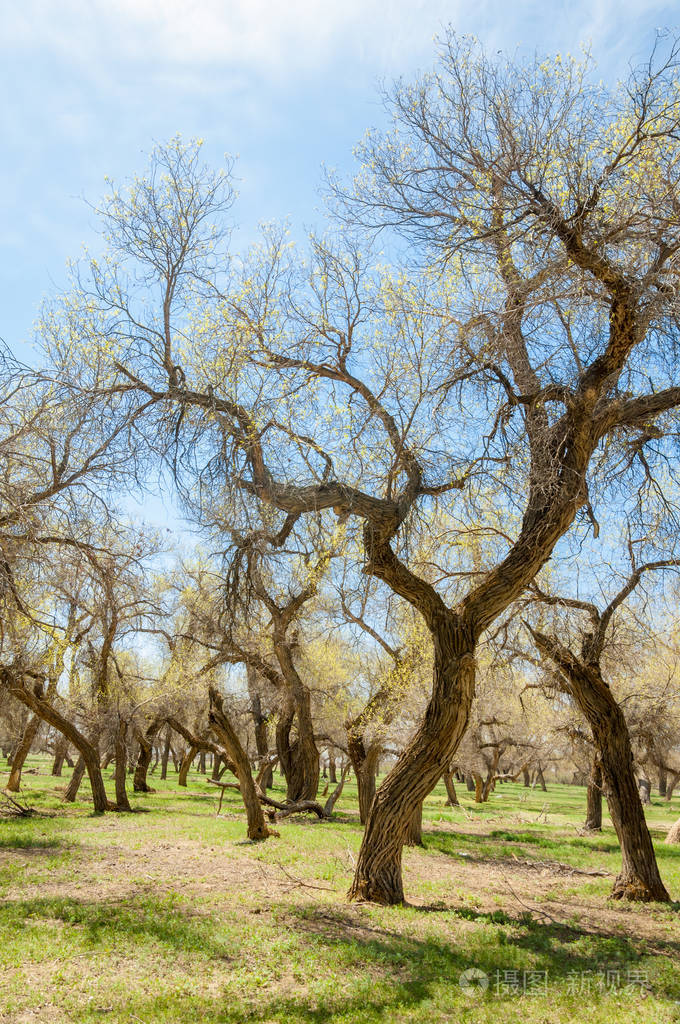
[
  {"x": 593, "y": 822},
  {"x": 378, "y": 871},
  {"x": 22, "y": 752},
  {"x": 299, "y": 758}
]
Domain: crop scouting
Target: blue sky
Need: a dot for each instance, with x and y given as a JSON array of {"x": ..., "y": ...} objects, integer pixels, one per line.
[{"x": 89, "y": 86}]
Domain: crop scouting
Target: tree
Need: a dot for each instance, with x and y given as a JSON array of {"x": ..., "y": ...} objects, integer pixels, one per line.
[
  {"x": 582, "y": 676},
  {"x": 531, "y": 342}
]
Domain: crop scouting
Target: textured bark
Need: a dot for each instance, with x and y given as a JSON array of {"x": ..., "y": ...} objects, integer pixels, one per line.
[
  {"x": 332, "y": 773},
  {"x": 526, "y": 778},
  {"x": 418, "y": 769},
  {"x": 22, "y": 752},
  {"x": 645, "y": 790},
  {"x": 122, "y": 802},
  {"x": 257, "y": 827},
  {"x": 414, "y": 835},
  {"x": 593, "y": 822}
]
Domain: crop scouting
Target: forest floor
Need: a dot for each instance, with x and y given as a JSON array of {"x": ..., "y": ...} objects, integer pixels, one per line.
[{"x": 169, "y": 915}]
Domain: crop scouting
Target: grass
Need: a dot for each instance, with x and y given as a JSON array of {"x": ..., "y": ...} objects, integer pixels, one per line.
[{"x": 171, "y": 916}]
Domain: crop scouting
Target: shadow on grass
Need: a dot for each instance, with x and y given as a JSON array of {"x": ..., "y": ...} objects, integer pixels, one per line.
[
  {"x": 148, "y": 919},
  {"x": 390, "y": 976},
  {"x": 494, "y": 845}
]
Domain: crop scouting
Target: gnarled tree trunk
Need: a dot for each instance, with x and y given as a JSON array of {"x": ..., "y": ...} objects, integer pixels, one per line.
[{"x": 378, "y": 871}]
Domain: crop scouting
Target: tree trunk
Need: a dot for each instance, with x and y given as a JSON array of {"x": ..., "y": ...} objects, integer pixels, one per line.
[
  {"x": 299, "y": 759},
  {"x": 526, "y": 778},
  {"x": 469, "y": 783},
  {"x": 60, "y": 750},
  {"x": 663, "y": 781},
  {"x": 187, "y": 762},
  {"x": 21, "y": 753},
  {"x": 639, "y": 878},
  {"x": 671, "y": 784},
  {"x": 451, "y": 795},
  {"x": 122, "y": 802},
  {"x": 674, "y": 833},
  {"x": 260, "y": 723},
  {"x": 540, "y": 779},
  {"x": 34, "y": 700},
  {"x": 257, "y": 827},
  {"x": 332, "y": 773},
  {"x": 165, "y": 755},
  {"x": 479, "y": 788},
  {"x": 645, "y": 790},
  {"x": 593, "y": 822},
  {"x": 378, "y": 870},
  {"x": 364, "y": 763},
  {"x": 71, "y": 791},
  {"x": 139, "y": 783}
]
